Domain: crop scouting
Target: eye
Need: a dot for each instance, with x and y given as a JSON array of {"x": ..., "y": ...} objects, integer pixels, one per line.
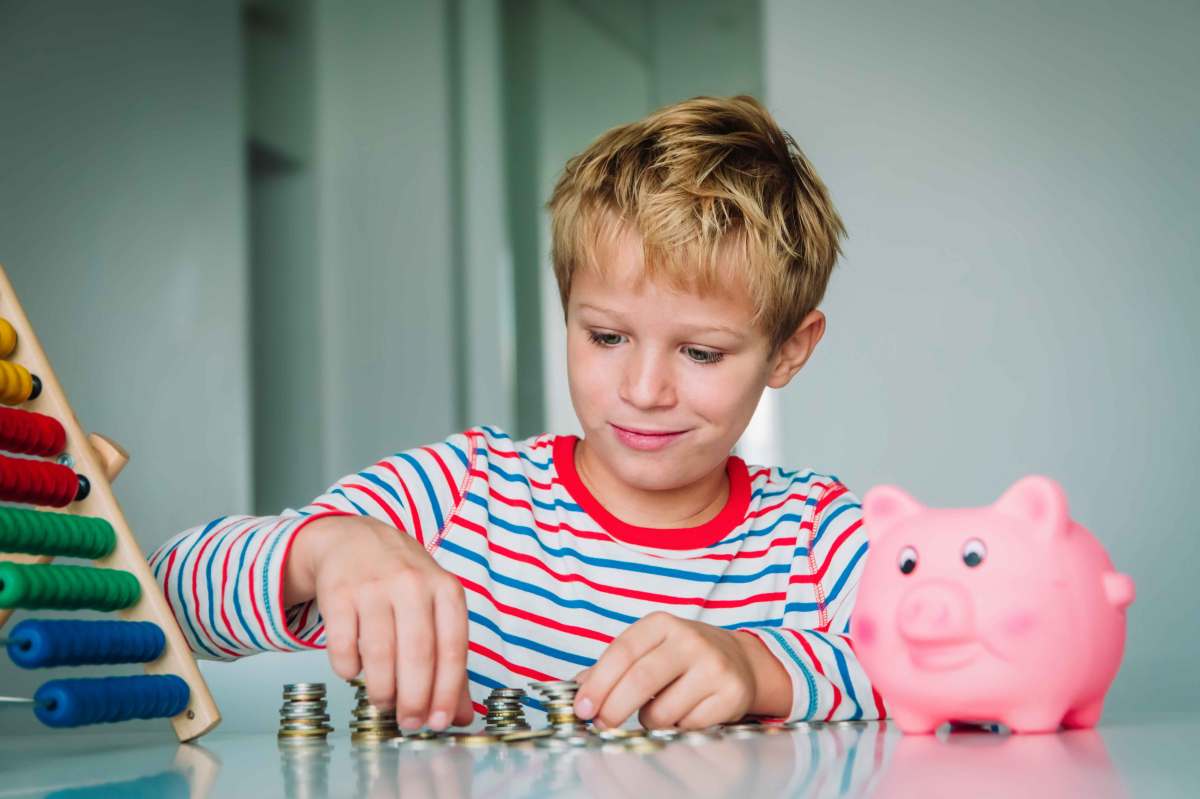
[
  {"x": 908, "y": 560},
  {"x": 974, "y": 552},
  {"x": 700, "y": 355},
  {"x": 603, "y": 339}
]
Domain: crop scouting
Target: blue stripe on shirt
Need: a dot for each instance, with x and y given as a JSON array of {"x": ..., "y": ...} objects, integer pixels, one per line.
[{"x": 434, "y": 503}]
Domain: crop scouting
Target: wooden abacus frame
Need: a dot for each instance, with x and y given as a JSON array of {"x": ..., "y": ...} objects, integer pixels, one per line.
[{"x": 100, "y": 460}]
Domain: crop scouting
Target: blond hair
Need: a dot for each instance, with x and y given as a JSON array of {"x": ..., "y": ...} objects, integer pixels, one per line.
[{"x": 709, "y": 183}]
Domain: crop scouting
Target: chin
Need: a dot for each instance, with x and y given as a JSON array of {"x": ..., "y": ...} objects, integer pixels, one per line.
[{"x": 652, "y": 471}]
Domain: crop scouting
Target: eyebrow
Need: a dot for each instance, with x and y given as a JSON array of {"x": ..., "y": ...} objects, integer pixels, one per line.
[{"x": 691, "y": 329}]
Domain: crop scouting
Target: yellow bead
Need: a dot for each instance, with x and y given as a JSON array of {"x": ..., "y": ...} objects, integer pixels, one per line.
[
  {"x": 16, "y": 384},
  {"x": 8, "y": 338}
]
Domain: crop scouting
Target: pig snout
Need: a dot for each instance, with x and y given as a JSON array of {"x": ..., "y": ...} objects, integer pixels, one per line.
[{"x": 936, "y": 611}]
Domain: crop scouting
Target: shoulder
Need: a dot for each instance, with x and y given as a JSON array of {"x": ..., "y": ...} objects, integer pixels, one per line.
[
  {"x": 821, "y": 494},
  {"x": 496, "y": 445},
  {"x": 816, "y": 487}
]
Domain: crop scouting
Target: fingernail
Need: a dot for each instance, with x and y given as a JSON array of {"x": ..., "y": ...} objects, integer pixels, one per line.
[
  {"x": 438, "y": 721},
  {"x": 410, "y": 723},
  {"x": 584, "y": 709}
]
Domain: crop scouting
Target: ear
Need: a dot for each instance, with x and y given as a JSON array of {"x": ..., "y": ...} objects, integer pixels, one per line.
[
  {"x": 794, "y": 351},
  {"x": 1039, "y": 502},
  {"x": 883, "y": 506}
]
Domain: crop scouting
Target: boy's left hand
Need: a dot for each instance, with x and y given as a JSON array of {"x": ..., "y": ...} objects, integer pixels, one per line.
[{"x": 681, "y": 673}]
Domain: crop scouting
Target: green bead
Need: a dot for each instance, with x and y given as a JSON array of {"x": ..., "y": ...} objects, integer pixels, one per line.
[
  {"x": 45, "y": 533},
  {"x": 47, "y": 586}
]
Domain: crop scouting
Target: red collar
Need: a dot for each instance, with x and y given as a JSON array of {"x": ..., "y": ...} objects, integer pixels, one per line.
[{"x": 699, "y": 537}]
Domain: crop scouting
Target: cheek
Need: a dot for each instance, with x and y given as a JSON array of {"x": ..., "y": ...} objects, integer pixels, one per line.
[
  {"x": 864, "y": 630},
  {"x": 587, "y": 373},
  {"x": 1018, "y": 623},
  {"x": 723, "y": 395}
]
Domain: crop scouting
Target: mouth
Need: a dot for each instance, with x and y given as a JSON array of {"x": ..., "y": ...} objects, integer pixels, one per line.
[
  {"x": 646, "y": 440},
  {"x": 942, "y": 657}
]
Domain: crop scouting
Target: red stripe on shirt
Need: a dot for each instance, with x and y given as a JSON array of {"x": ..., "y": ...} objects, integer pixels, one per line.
[
  {"x": 412, "y": 507},
  {"x": 542, "y": 621},
  {"x": 445, "y": 473},
  {"x": 630, "y": 593},
  {"x": 197, "y": 615},
  {"x": 391, "y": 514},
  {"x": 879, "y": 706},
  {"x": 820, "y": 573},
  {"x": 812, "y": 656},
  {"x": 496, "y": 657},
  {"x": 262, "y": 625}
]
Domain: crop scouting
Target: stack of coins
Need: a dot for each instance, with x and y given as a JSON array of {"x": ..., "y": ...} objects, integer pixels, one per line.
[
  {"x": 504, "y": 712},
  {"x": 559, "y": 699},
  {"x": 303, "y": 716},
  {"x": 370, "y": 724}
]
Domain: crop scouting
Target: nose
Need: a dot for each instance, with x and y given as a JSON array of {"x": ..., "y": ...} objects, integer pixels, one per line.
[
  {"x": 647, "y": 381},
  {"x": 936, "y": 612}
]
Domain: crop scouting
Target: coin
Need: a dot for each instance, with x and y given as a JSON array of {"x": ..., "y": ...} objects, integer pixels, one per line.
[
  {"x": 473, "y": 738},
  {"x": 526, "y": 735}
]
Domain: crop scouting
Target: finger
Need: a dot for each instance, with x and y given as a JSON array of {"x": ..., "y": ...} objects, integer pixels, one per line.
[
  {"x": 415, "y": 639},
  {"x": 640, "y": 683},
  {"x": 623, "y": 652},
  {"x": 450, "y": 678},
  {"x": 341, "y": 634},
  {"x": 709, "y": 711},
  {"x": 377, "y": 648},
  {"x": 675, "y": 701},
  {"x": 465, "y": 713}
]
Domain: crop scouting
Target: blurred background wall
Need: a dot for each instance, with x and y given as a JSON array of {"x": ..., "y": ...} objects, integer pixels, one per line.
[{"x": 266, "y": 242}]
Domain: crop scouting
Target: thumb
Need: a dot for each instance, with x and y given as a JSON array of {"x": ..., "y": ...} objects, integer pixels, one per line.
[{"x": 465, "y": 714}]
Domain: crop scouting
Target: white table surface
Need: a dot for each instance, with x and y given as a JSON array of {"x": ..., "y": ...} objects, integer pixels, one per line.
[{"x": 1147, "y": 756}]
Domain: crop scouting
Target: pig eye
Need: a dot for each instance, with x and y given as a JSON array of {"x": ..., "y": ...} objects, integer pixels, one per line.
[
  {"x": 974, "y": 552},
  {"x": 908, "y": 560}
]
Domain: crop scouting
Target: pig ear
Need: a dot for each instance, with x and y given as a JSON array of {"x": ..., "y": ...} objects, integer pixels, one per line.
[
  {"x": 1038, "y": 502},
  {"x": 883, "y": 506}
]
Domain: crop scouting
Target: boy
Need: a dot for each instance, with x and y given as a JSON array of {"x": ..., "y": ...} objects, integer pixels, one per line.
[{"x": 691, "y": 250}]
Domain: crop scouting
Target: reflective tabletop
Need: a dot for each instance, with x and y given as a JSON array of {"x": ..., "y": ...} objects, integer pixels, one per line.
[{"x": 1147, "y": 756}]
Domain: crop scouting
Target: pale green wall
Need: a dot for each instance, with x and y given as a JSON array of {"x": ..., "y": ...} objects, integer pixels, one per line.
[
  {"x": 122, "y": 228},
  {"x": 1021, "y": 183}
]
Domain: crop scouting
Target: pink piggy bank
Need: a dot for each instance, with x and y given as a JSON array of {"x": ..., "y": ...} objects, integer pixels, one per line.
[{"x": 1010, "y": 613}]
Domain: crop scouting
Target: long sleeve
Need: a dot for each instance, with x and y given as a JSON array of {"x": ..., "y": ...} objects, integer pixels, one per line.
[
  {"x": 224, "y": 580},
  {"x": 827, "y": 681}
]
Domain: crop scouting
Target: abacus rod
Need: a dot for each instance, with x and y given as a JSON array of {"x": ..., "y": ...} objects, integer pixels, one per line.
[
  {"x": 16, "y": 700},
  {"x": 5, "y": 641}
]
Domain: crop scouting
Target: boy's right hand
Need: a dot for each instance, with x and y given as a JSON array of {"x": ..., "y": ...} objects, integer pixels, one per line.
[{"x": 390, "y": 613}]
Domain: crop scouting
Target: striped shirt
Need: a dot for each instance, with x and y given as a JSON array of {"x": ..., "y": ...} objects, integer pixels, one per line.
[{"x": 550, "y": 576}]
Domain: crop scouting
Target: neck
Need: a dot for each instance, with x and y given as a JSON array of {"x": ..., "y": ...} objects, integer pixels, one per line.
[{"x": 687, "y": 506}]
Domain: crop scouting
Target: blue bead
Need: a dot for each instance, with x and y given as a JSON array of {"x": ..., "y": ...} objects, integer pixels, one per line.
[
  {"x": 39, "y": 643},
  {"x": 72, "y": 703}
]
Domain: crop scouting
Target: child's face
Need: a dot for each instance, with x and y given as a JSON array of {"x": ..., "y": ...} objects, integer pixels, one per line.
[{"x": 663, "y": 382}]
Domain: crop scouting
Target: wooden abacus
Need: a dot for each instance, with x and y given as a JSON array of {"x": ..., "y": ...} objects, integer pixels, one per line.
[{"x": 63, "y": 469}]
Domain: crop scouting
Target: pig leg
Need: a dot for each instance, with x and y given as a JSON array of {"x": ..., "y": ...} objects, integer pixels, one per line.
[
  {"x": 1034, "y": 718},
  {"x": 913, "y": 723},
  {"x": 1084, "y": 717}
]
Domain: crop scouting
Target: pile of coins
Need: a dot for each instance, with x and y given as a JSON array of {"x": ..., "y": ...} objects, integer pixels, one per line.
[
  {"x": 303, "y": 716},
  {"x": 371, "y": 724},
  {"x": 504, "y": 712},
  {"x": 559, "y": 703}
]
